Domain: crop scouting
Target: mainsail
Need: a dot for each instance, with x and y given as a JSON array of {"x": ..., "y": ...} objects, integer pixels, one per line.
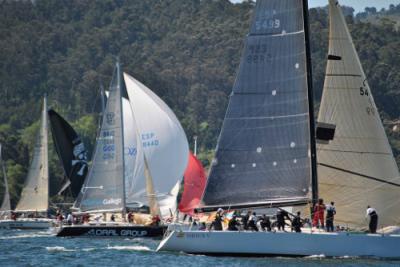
[
  {"x": 356, "y": 166},
  {"x": 263, "y": 155},
  {"x": 71, "y": 152},
  {"x": 5, "y": 204},
  {"x": 103, "y": 189},
  {"x": 35, "y": 193},
  {"x": 159, "y": 138}
]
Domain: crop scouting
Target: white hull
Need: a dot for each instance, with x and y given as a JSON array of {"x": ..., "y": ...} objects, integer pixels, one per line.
[
  {"x": 27, "y": 224},
  {"x": 282, "y": 244}
]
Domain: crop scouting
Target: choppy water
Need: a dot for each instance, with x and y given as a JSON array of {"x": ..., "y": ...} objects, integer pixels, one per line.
[{"x": 40, "y": 248}]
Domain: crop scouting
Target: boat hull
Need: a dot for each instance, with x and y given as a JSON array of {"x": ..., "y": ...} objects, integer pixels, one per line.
[
  {"x": 127, "y": 231},
  {"x": 282, "y": 244},
  {"x": 27, "y": 224}
]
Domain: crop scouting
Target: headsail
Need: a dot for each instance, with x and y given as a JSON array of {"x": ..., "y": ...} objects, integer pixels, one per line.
[
  {"x": 5, "y": 207},
  {"x": 103, "y": 189},
  {"x": 71, "y": 152},
  {"x": 35, "y": 194},
  {"x": 162, "y": 141},
  {"x": 193, "y": 188},
  {"x": 263, "y": 152},
  {"x": 356, "y": 164}
]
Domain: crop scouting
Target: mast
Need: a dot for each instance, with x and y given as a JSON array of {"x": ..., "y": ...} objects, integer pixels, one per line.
[
  {"x": 314, "y": 176},
  {"x": 122, "y": 138},
  {"x": 46, "y": 147}
]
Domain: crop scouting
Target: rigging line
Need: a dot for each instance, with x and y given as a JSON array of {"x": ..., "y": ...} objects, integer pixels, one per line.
[
  {"x": 358, "y": 152},
  {"x": 359, "y": 174}
]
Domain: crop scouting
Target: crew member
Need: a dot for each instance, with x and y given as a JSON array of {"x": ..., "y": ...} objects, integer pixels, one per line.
[
  {"x": 155, "y": 220},
  {"x": 373, "y": 219},
  {"x": 265, "y": 223},
  {"x": 296, "y": 223},
  {"x": 217, "y": 223},
  {"x": 245, "y": 220},
  {"x": 130, "y": 217},
  {"x": 318, "y": 218},
  {"x": 233, "y": 224},
  {"x": 330, "y": 214},
  {"x": 281, "y": 215},
  {"x": 252, "y": 223}
]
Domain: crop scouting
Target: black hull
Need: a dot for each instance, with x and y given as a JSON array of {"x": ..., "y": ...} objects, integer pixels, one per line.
[{"x": 126, "y": 231}]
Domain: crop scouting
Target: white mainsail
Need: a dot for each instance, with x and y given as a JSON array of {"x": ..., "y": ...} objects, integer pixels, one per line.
[
  {"x": 103, "y": 189},
  {"x": 5, "y": 205},
  {"x": 357, "y": 167},
  {"x": 163, "y": 143},
  {"x": 35, "y": 194}
]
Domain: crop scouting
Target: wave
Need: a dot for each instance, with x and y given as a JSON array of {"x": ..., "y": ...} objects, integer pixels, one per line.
[
  {"x": 88, "y": 249},
  {"x": 135, "y": 248},
  {"x": 316, "y": 256},
  {"x": 59, "y": 249},
  {"x": 24, "y": 236}
]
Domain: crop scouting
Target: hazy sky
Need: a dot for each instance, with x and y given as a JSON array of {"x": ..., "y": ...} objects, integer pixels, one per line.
[{"x": 358, "y": 5}]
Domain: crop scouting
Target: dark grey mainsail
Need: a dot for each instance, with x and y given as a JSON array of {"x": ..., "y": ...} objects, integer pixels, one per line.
[
  {"x": 103, "y": 189},
  {"x": 263, "y": 155}
]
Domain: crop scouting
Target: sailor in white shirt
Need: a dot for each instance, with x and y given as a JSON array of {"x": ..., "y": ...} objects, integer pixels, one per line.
[{"x": 373, "y": 221}]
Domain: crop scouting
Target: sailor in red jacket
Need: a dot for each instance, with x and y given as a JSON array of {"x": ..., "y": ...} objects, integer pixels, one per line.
[{"x": 319, "y": 209}]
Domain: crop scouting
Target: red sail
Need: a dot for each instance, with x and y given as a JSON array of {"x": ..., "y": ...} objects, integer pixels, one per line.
[{"x": 194, "y": 183}]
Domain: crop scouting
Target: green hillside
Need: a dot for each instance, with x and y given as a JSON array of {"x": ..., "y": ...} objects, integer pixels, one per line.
[{"x": 187, "y": 52}]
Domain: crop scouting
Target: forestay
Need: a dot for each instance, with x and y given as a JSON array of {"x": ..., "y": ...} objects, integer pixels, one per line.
[
  {"x": 357, "y": 167},
  {"x": 35, "y": 193},
  {"x": 103, "y": 189},
  {"x": 262, "y": 156},
  {"x": 162, "y": 141}
]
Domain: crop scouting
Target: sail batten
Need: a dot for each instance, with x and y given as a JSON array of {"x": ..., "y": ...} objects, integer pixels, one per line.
[
  {"x": 356, "y": 168},
  {"x": 263, "y": 152},
  {"x": 35, "y": 193}
]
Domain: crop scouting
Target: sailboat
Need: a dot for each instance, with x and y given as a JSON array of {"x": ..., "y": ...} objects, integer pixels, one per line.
[
  {"x": 5, "y": 208},
  {"x": 34, "y": 201},
  {"x": 71, "y": 152},
  {"x": 135, "y": 177},
  {"x": 266, "y": 152}
]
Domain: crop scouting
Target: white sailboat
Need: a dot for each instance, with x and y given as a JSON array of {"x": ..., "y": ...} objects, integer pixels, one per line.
[
  {"x": 356, "y": 166},
  {"x": 5, "y": 208},
  {"x": 34, "y": 202},
  {"x": 152, "y": 139},
  {"x": 163, "y": 127},
  {"x": 260, "y": 158}
]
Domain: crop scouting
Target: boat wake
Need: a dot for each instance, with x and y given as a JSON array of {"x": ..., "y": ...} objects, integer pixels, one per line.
[
  {"x": 25, "y": 236},
  {"x": 135, "y": 248},
  {"x": 59, "y": 249},
  {"x": 321, "y": 256}
]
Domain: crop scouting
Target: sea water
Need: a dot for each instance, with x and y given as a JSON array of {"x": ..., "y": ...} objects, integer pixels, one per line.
[{"x": 42, "y": 248}]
